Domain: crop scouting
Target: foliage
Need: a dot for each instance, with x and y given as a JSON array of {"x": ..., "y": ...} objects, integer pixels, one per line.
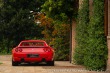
[
  {"x": 96, "y": 55},
  {"x": 62, "y": 13},
  {"x": 82, "y": 32},
  {"x": 16, "y": 24},
  {"x": 1, "y": 3},
  {"x": 47, "y": 25},
  {"x": 55, "y": 35},
  {"x": 61, "y": 41},
  {"x": 1, "y": 63},
  {"x": 91, "y": 49},
  {"x": 60, "y": 9}
]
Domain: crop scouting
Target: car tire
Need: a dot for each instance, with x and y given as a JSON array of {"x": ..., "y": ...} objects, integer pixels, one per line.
[
  {"x": 14, "y": 63},
  {"x": 51, "y": 63}
]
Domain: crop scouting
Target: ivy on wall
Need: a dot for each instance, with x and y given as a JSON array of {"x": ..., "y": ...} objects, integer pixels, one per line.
[
  {"x": 91, "y": 48},
  {"x": 96, "y": 55},
  {"x": 82, "y": 32}
]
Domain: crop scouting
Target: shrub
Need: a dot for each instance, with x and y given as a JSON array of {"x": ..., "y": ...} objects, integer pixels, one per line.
[{"x": 61, "y": 41}]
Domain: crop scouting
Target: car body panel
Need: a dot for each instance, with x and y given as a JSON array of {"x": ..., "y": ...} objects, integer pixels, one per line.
[{"x": 30, "y": 53}]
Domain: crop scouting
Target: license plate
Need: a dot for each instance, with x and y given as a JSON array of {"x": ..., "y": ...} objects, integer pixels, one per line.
[{"x": 33, "y": 55}]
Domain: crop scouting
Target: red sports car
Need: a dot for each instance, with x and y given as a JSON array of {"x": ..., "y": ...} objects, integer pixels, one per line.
[{"x": 32, "y": 51}]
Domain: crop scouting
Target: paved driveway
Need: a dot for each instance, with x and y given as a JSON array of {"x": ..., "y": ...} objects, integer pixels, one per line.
[{"x": 60, "y": 67}]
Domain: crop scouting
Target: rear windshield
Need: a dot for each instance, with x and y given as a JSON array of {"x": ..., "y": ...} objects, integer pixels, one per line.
[{"x": 36, "y": 44}]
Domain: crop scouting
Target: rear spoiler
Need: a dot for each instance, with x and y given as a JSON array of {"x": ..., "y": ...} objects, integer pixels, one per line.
[{"x": 33, "y": 46}]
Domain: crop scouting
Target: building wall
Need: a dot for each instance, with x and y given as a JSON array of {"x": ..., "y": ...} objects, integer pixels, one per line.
[
  {"x": 73, "y": 34},
  {"x": 108, "y": 17},
  {"x": 90, "y": 7},
  {"x": 80, "y": 2},
  {"x": 108, "y": 30},
  {"x": 73, "y": 38},
  {"x": 108, "y": 37},
  {"x": 74, "y": 27}
]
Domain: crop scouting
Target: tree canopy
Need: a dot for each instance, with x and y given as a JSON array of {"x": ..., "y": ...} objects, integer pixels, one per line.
[
  {"x": 16, "y": 23},
  {"x": 60, "y": 9},
  {"x": 61, "y": 12}
]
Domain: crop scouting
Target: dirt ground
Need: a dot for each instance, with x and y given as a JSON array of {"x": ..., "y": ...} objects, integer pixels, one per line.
[{"x": 60, "y": 67}]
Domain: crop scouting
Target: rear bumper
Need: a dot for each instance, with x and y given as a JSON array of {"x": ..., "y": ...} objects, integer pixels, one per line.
[{"x": 24, "y": 58}]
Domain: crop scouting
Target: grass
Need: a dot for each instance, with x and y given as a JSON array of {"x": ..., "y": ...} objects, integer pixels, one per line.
[
  {"x": 5, "y": 53},
  {"x": 1, "y": 63}
]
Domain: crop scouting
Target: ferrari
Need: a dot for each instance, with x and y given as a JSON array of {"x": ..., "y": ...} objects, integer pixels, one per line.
[{"x": 32, "y": 51}]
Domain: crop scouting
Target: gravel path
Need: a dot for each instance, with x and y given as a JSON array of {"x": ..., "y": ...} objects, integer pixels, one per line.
[{"x": 60, "y": 67}]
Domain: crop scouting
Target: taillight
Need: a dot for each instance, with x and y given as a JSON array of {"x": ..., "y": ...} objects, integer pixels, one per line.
[
  {"x": 47, "y": 49},
  {"x": 18, "y": 50}
]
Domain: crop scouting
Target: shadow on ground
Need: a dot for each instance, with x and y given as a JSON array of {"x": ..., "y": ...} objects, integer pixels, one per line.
[{"x": 33, "y": 64}]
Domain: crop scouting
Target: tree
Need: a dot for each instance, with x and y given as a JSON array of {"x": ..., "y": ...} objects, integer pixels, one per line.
[
  {"x": 62, "y": 12},
  {"x": 1, "y": 3},
  {"x": 16, "y": 24},
  {"x": 46, "y": 24}
]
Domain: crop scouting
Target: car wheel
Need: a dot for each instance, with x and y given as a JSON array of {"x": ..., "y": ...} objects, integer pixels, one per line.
[
  {"x": 50, "y": 63},
  {"x": 14, "y": 63}
]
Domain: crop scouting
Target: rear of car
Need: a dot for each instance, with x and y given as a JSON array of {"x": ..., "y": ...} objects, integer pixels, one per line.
[{"x": 32, "y": 51}]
